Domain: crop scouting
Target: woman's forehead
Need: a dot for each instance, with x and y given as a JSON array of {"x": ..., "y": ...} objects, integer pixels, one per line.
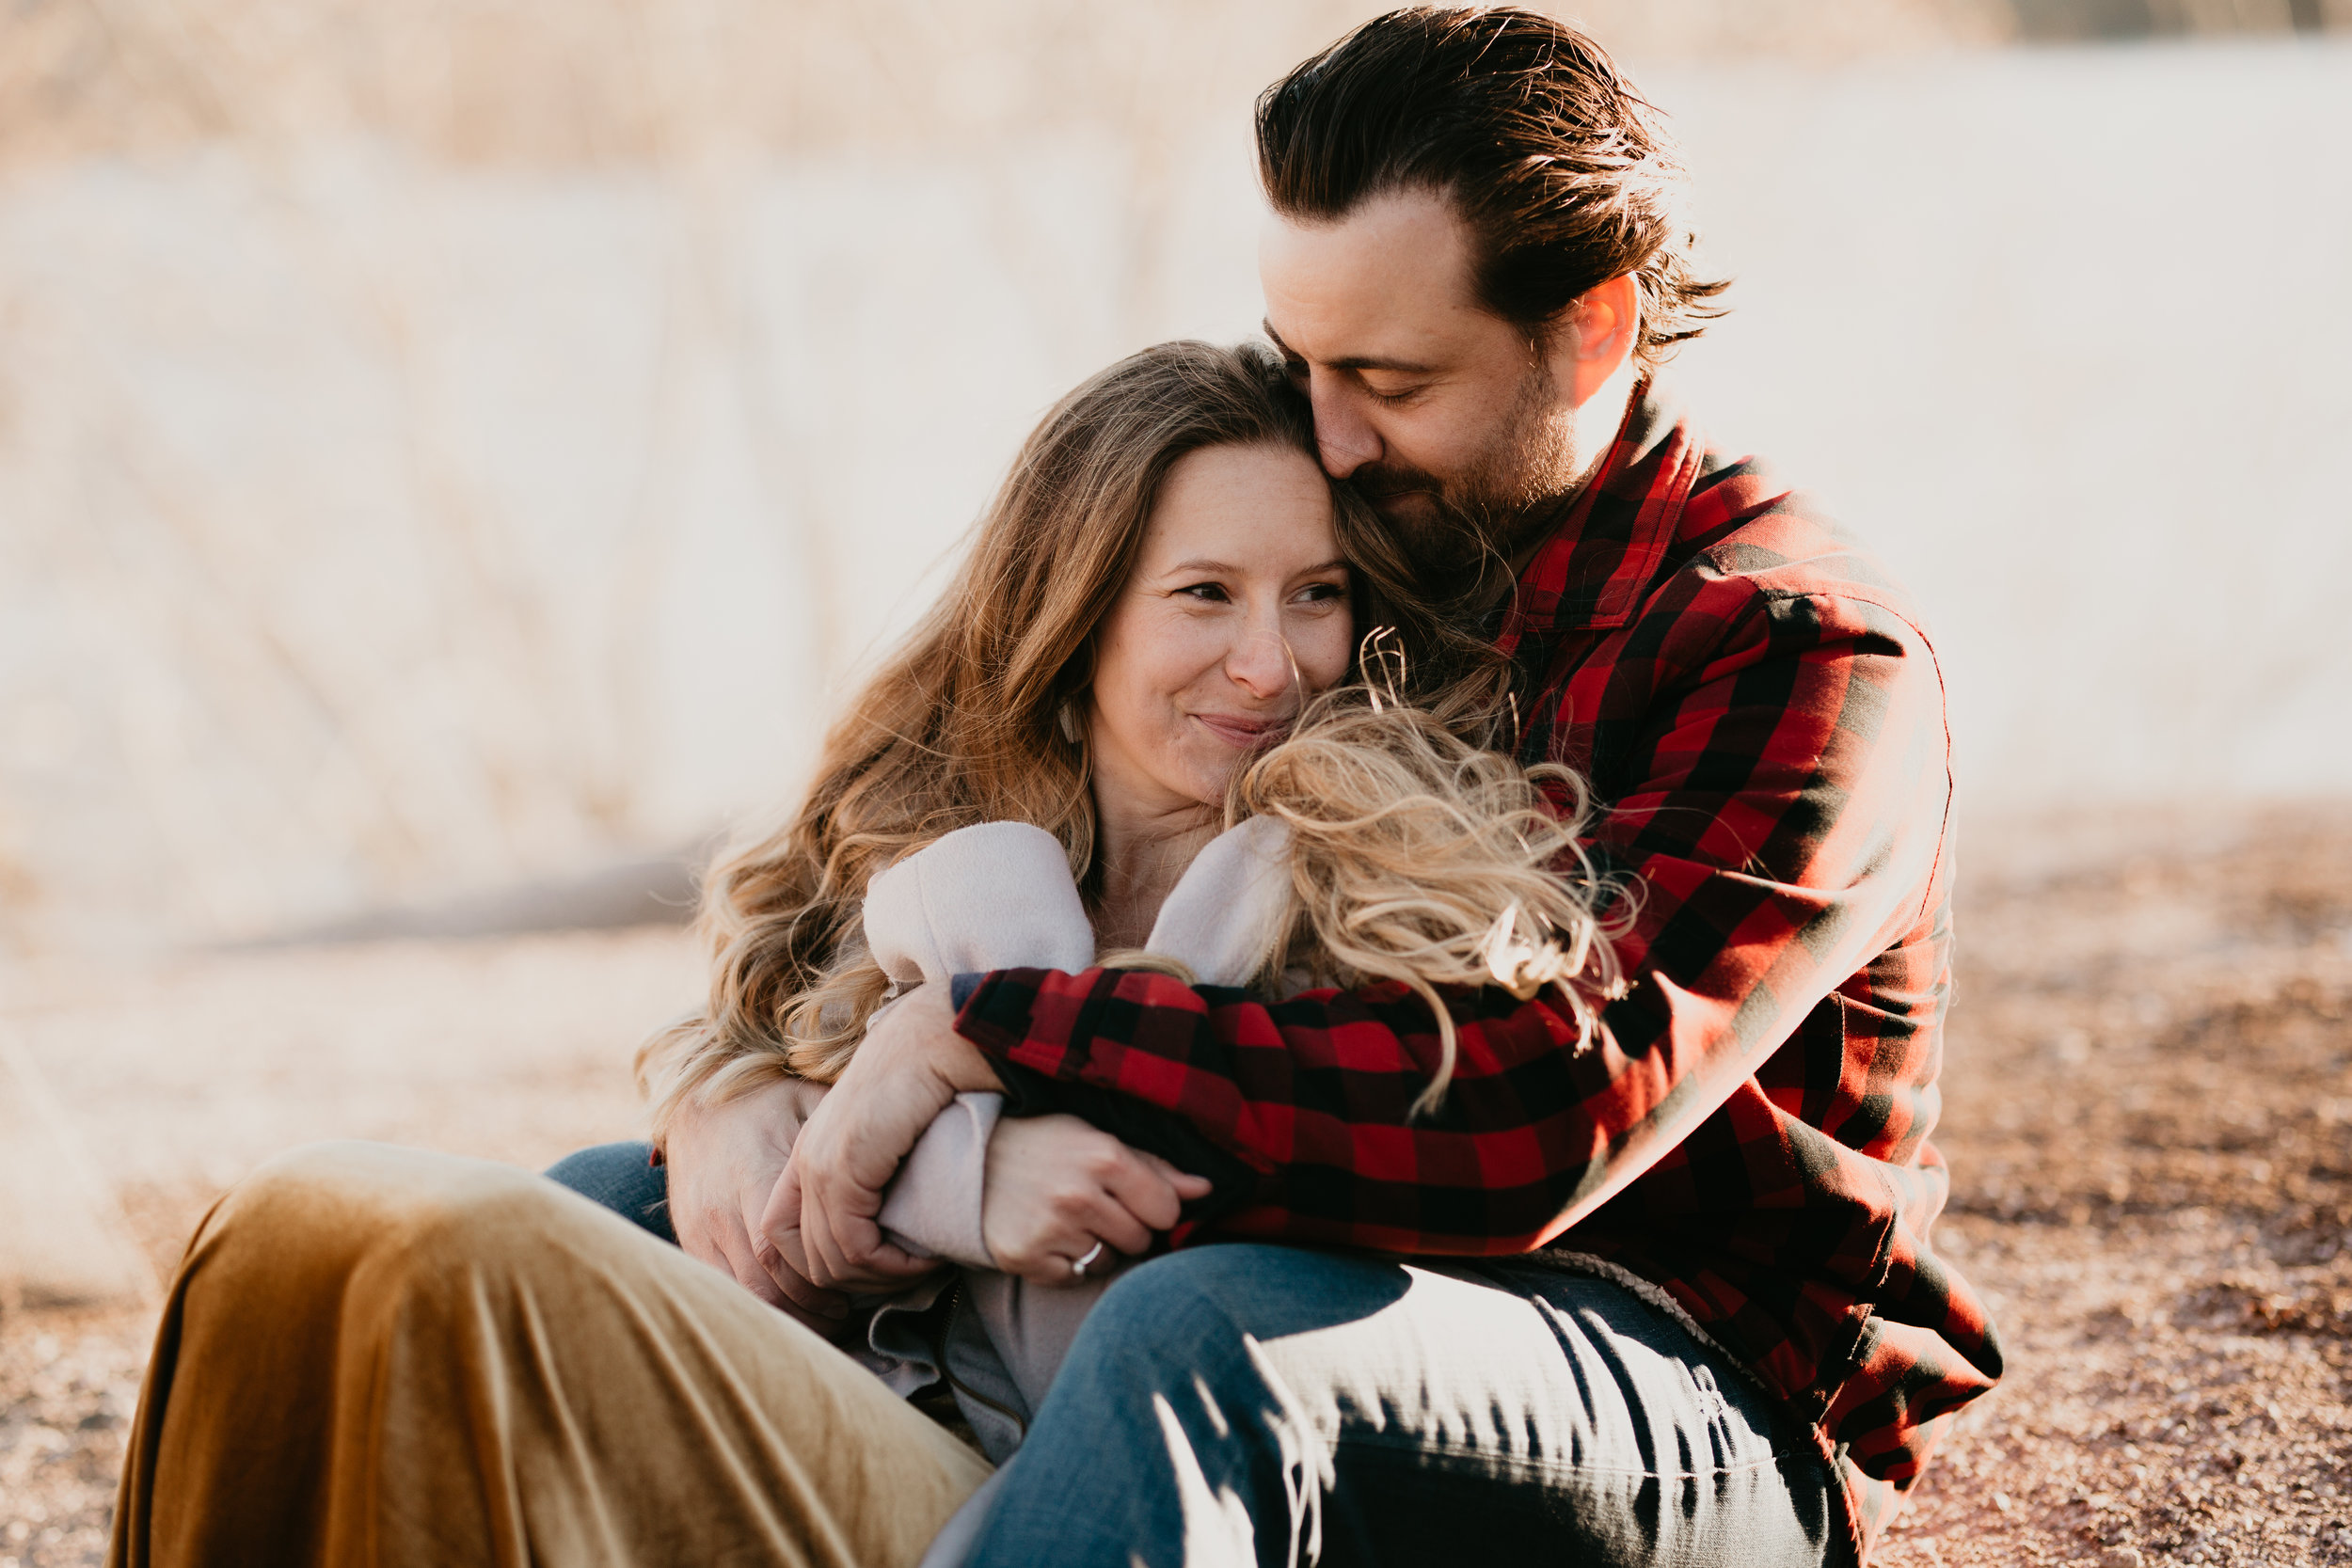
[{"x": 1250, "y": 509}]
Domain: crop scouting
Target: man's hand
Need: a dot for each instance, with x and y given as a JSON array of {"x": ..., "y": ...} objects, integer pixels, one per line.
[
  {"x": 1056, "y": 1186},
  {"x": 724, "y": 1163},
  {"x": 909, "y": 1066}
]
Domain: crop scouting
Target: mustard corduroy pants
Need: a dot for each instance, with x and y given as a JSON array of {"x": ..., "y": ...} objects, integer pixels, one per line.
[{"x": 376, "y": 1357}]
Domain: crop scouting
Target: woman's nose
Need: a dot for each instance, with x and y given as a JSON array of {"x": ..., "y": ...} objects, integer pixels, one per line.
[{"x": 1261, "y": 664}]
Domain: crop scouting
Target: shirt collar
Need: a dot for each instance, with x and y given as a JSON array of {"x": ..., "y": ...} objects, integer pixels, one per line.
[{"x": 1590, "y": 574}]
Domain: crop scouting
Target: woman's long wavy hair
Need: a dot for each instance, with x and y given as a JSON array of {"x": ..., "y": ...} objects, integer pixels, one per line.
[{"x": 960, "y": 725}]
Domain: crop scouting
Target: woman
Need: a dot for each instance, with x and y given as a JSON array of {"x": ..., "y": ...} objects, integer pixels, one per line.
[{"x": 376, "y": 1355}]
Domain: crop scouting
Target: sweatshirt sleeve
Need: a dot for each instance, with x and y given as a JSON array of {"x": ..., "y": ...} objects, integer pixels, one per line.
[{"x": 933, "y": 1208}]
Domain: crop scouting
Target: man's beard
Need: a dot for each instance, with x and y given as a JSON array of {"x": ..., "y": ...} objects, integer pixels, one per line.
[{"x": 1479, "y": 519}]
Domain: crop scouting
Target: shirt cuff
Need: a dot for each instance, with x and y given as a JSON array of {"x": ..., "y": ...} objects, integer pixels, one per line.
[{"x": 1041, "y": 1017}]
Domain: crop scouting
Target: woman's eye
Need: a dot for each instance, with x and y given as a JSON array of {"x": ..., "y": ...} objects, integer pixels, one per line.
[
  {"x": 1207, "y": 592},
  {"x": 1321, "y": 592}
]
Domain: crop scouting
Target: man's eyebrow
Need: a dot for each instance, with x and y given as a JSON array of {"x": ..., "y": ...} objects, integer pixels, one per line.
[{"x": 1353, "y": 362}]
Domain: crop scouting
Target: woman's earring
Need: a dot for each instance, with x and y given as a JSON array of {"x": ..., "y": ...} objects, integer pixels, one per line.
[{"x": 1067, "y": 716}]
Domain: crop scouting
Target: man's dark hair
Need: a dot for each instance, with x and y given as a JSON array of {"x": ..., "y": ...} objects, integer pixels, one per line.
[{"x": 1564, "y": 175}]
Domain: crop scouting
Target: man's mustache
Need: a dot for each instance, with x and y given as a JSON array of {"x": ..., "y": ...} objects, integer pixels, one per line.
[{"x": 1377, "y": 481}]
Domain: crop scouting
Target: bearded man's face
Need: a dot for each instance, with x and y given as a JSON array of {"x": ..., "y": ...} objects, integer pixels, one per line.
[
  {"x": 1441, "y": 414},
  {"x": 1528, "y": 461}
]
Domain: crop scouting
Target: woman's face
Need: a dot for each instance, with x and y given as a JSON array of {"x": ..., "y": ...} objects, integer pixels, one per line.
[{"x": 1237, "y": 596}]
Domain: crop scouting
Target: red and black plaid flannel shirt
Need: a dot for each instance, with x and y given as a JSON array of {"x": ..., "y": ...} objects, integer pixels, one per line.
[{"x": 1762, "y": 720}]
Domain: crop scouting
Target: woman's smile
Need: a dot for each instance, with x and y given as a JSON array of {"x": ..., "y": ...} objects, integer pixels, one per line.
[{"x": 1242, "y": 730}]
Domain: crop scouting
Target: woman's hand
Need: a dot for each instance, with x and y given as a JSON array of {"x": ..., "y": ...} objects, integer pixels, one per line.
[
  {"x": 823, "y": 1216},
  {"x": 723, "y": 1161},
  {"x": 1056, "y": 1186}
]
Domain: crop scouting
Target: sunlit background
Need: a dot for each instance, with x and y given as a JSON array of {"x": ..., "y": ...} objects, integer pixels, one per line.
[{"x": 457, "y": 444}]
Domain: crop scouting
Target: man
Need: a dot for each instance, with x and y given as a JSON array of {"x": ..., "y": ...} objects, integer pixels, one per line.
[{"x": 1710, "y": 1326}]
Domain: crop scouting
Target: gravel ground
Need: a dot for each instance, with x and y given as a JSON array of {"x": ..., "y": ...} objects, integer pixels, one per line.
[
  {"x": 2148, "y": 1109},
  {"x": 2150, "y": 1118}
]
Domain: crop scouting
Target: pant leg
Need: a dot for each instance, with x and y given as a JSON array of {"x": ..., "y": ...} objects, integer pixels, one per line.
[
  {"x": 374, "y": 1357},
  {"x": 1248, "y": 1404},
  {"x": 622, "y": 1177}
]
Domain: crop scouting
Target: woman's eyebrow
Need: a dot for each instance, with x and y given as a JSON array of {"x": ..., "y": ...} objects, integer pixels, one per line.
[{"x": 1226, "y": 568}]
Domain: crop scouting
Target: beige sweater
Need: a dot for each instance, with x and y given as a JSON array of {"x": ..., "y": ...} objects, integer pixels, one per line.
[{"x": 1000, "y": 895}]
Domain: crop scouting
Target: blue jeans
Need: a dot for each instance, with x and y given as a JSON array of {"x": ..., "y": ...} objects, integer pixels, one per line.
[
  {"x": 1241, "y": 1405},
  {"x": 622, "y": 1177}
]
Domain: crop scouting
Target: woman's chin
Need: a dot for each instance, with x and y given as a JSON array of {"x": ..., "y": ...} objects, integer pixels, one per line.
[{"x": 1202, "y": 775}]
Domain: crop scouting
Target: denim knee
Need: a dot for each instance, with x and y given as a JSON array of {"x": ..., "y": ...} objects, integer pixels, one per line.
[
  {"x": 1195, "y": 1315},
  {"x": 1203, "y": 1290},
  {"x": 622, "y": 1178}
]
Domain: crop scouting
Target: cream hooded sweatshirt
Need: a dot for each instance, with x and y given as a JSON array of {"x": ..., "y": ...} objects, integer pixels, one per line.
[{"x": 1000, "y": 895}]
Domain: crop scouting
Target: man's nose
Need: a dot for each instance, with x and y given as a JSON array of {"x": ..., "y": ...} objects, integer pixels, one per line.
[{"x": 1345, "y": 439}]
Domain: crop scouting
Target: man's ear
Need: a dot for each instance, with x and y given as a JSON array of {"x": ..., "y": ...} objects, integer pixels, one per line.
[{"x": 1597, "y": 337}]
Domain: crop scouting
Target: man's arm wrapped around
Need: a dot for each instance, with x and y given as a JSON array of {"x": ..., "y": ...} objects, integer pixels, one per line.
[{"x": 1782, "y": 829}]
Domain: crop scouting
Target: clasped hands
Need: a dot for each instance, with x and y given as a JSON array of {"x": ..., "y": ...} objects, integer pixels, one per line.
[{"x": 783, "y": 1188}]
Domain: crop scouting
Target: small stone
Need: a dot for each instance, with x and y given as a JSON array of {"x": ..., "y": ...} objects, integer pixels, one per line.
[{"x": 2121, "y": 1557}]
